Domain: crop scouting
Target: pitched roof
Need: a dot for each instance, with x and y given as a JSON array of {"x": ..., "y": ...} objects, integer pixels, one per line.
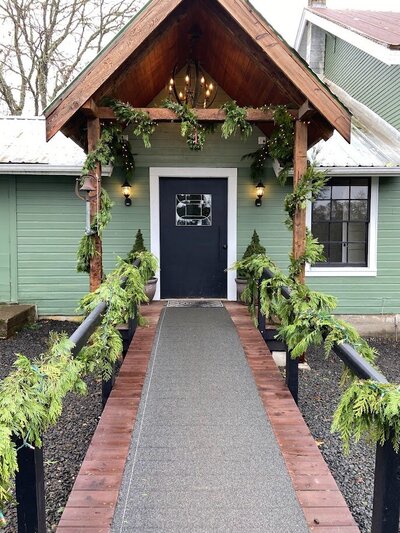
[
  {"x": 239, "y": 49},
  {"x": 380, "y": 26},
  {"x": 374, "y": 143},
  {"x": 23, "y": 141}
]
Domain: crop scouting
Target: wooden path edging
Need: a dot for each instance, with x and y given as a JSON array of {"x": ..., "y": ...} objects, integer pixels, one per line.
[
  {"x": 323, "y": 505},
  {"x": 91, "y": 504}
]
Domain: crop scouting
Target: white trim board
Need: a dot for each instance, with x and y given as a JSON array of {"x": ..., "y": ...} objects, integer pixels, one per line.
[
  {"x": 372, "y": 269},
  {"x": 155, "y": 173}
]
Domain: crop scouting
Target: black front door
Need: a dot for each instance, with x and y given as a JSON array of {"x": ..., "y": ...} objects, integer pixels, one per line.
[{"x": 193, "y": 233}]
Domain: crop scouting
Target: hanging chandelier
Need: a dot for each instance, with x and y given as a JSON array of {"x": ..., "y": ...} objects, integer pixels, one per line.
[{"x": 194, "y": 90}]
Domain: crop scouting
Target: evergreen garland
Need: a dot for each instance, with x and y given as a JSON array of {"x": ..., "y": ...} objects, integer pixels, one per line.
[
  {"x": 31, "y": 396},
  {"x": 278, "y": 146},
  {"x": 191, "y": 129},
  {"x": 143, "y": 126},
  {"x": 235, "y": 121},
  {"x": 367, "y": 408}
]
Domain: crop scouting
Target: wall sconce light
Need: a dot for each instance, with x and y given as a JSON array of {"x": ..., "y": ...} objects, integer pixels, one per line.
[
  {"x": 127, "y": 191},
  {"x": 260, "y": 193}
]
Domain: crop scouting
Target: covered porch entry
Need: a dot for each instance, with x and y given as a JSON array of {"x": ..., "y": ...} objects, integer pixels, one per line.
[{"x": 195, "y": 235}]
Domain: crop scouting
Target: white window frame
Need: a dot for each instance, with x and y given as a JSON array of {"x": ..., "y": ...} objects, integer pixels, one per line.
[
  {"x": 188, "y": 172},
  {"x": 371, "y": 269}
]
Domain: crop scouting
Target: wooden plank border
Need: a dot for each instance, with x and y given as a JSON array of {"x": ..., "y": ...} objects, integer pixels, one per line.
[
  {"x": 323, "y": 505},
  {"x": 91, "y": 504}
]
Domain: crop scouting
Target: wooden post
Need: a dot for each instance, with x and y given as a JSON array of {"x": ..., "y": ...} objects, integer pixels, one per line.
[
  {"x": 96, "y": 263},
  {"x": 300, "y": 167}
]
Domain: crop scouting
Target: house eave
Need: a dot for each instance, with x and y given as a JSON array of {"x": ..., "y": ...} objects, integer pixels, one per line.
[
  {"x": 379, "y": 51},
  {"x": 40, "y": 170}
]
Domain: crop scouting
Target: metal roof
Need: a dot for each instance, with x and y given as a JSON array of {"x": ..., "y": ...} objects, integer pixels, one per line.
[
  {"x": 374, "y": 143},
  {"x": 380, "y": 26},
  {"x": 23, "y": 140}
]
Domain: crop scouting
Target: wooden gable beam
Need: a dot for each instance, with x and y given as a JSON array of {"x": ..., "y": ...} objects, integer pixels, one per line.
[
  {"x": 103, "y": 67},
  {"x": 319, "y": 96},
  {"x": 159, "y": 114}
]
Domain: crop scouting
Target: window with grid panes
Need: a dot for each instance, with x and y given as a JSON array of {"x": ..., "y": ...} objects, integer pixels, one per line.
[{"x": 340, "y": 221}]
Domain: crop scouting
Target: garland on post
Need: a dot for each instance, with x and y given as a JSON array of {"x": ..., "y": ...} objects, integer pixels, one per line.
[{"x": 31, "y": 396}]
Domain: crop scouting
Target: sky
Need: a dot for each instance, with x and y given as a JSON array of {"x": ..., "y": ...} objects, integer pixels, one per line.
[{"x": 284, "y": 15}]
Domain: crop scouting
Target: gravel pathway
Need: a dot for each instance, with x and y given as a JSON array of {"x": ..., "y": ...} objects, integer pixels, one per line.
[
  {"x": 66, "y": 444},
  {"x": 319, "y": 393}
]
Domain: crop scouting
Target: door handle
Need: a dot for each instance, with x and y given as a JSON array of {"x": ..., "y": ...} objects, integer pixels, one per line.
[{"x": 225, "y": 246}]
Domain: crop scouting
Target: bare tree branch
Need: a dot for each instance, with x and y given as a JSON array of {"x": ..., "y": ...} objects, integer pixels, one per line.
[{"x": 44, "y": 43}]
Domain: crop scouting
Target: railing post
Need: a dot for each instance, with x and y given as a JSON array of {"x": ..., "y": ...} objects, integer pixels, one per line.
[
  {"x": 292, "y": 375},
  {"x": 106, "y": 387},
  {"x": 260, "y": 317},
  {"x": 385, "y": 516},
  {"x": 29, "y": 487}
]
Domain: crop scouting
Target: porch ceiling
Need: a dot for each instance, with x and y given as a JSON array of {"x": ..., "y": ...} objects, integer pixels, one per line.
[{"x": 237, "y": 48}]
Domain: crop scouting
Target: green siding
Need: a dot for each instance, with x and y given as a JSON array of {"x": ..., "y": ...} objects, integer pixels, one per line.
[
  {"x": 367, "y": 79},
  {"x": 7, "y": 232},
  {"x": 50, "y": 222}
]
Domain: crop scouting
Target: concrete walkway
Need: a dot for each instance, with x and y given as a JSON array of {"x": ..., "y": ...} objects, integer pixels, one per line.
[{"x": 203, "y": 455}]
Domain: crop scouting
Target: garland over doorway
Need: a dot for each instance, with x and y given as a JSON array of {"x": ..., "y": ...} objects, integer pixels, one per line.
[{"x": 113, "y": 148}]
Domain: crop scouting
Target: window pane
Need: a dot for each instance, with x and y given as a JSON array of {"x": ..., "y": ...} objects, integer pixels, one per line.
[
  {"x": 357, "y": 232},
  {"x": 359, "y": 210},
  {"x": 341, "y": 192},
  {"x": 340, "y": 210},
  {"x": 321, "y": 231},
  {"x": 359, "y": 192},
  {"x": 325, "y": 193},
  {"x": 356, "y": 253},
  {"x": 193, "y": 210},
  {"x": 337, "y": 232},
  {"x": 336, "y": 253},
  {"x": 321, "y": 210}
]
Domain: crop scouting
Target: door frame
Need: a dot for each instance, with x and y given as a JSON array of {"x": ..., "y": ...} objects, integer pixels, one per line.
[{"x": 189, "y": 172}]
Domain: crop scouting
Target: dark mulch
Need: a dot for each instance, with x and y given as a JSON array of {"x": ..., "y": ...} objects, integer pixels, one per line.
[
  {"x": 65, "y": 445},
  {"x": 319, "y": 394}
]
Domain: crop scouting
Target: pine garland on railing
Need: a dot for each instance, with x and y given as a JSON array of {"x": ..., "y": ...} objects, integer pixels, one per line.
[
  {"x": 31, "y": 396},
  {"x": 367, "y": 408}
]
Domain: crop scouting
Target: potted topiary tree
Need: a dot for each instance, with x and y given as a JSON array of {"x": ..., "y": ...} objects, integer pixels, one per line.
[
  {"x": 149, "y": 263},
  {"x": 254, "y": 248}
]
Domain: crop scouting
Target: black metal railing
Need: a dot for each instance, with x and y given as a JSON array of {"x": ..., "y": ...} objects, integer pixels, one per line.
[
  {"x": 29, "y": 480},
  {"x": 386, "y": 503}
]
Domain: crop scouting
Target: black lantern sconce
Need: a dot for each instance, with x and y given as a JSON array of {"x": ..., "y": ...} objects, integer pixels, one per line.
[
  {"x": 127, "y": 191},
  {"x": 260, "y": 193}
]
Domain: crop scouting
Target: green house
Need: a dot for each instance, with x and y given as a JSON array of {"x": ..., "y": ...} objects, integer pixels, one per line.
[{"x": 196, "y": 208}]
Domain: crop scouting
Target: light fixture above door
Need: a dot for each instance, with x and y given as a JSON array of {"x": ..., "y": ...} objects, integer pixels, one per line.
[{"x": 195, "y": 90}]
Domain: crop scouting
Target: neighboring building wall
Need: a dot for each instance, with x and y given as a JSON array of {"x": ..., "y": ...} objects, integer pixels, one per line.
[
  {"x": 315, "y": 49},
  {"x": 365, "y": 78}
]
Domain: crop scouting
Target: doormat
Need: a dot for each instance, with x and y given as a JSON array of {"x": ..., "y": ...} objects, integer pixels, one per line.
[{"x": 195, "y": 303}]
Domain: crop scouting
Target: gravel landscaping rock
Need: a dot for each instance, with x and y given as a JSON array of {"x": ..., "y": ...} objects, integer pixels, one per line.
[
  {"x": 64, "y": 445},
  {"x": 319, "y": 394}
]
